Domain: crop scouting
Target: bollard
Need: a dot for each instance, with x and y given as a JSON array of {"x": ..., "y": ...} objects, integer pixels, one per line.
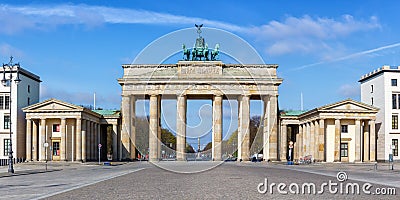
[{"x": 376, "y": 166}]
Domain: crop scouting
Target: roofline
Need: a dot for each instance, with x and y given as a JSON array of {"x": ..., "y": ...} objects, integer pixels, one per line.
[
  {"x": 23, "y": 72},
  {"x": 378, "y": 72},
  {"x": 320, "y": 109}
]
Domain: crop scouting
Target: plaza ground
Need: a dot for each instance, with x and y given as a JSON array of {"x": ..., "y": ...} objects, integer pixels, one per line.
[{"x": 185, "y": 180}]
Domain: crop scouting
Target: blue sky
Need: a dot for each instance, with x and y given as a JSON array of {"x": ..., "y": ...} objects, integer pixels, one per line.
[{"x": 322, "y": 48}]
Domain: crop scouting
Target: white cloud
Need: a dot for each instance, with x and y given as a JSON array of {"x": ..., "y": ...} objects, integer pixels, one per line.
[
  {"x": 371, "y": 52},
  {"x": 307, "y": 34},
  {"x": 8, "y": 50},
  {"x": 304, "y": 34},
  {"x": 18, "y": 18},
  {"x": 349, "y": 90}
]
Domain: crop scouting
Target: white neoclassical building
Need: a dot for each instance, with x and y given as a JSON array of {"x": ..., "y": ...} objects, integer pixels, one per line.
[
  {"x": 381, "y": 89},
  {"x": 23, "y": 94},
  {"x": 71, "y": 132},
  {"x": 340, "y": 132}
]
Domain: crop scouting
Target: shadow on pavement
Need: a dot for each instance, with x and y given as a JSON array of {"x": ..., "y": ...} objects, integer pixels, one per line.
[{"x": 27, "y": 172}]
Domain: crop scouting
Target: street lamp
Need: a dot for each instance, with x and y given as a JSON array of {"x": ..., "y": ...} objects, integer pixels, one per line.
[{"x": 4, "y": 81}]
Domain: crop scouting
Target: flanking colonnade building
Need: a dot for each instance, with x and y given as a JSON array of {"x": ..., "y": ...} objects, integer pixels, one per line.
[
  {"x": 340, "y": 132},
  {"x": 60, "y": 131}
]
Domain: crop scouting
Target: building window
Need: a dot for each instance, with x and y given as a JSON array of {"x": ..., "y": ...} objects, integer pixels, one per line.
[
  {"x": 1, "y": 102},
  {"x": 29, "y": 89},
  {"x": 395, "y": 122},
  {"x": 6, "y": 122},
  {"x": 394, "y": 82},
  {"x": 372, "y": 101},
  {"x": 344, "y": 149},
  {"x": 372, "y": 88},
  {"x": 394, "y": 101},
  {"x": 7, "y": 103},
  {"x": 395, "y": 146},
  {"x": 344, "y": 129},
  {"x": 4, "y": 101},
  {"x": 56, "y": 127},
  {"x": 6, "y": 147},
  {"x": 29, "y": 101}
]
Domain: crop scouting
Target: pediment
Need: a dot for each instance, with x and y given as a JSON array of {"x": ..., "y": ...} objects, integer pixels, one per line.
[
  {"x": 55, "y": 106},
  {"x": 52, "y": 105},
  {"x": 348, "y": 105}
]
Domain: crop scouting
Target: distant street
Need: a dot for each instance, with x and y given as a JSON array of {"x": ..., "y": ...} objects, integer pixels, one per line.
[{"x": 142, "y": 180}]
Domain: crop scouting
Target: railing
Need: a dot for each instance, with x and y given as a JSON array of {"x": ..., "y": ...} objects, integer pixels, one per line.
[{"x": 4, "y": 162}]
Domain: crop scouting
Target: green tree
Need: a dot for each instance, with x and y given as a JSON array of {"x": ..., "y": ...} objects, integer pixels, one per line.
[
  {"x": 189, "y": 149},
  {"x": 208, "y": 146}
]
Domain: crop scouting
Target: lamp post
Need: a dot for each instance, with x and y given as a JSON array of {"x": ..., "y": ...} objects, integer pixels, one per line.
[{"x": 4, "y": 81}]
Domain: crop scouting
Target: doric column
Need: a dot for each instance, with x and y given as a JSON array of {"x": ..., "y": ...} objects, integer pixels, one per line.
[
  {"x": 159, "y": 127},
  {"x": 73, "y": 142},
  {"x": 300, "y": 142},
  {"x": 315, "y": 144},
  {"x": 181, "y": 128},
  {"x": 28, "y": 139},
  {"x": 126, "y": 127},
  {"x": 42, "y": 140},
  {"x": 273, "y": 122},
  {"x": 244, "y": 132},
  {"x": 217, "y": 128},
  {"x": 93, "y": 141},
  {"x": 266, "y": 114},
  {"x": 132, "y": 150},
  {"x": 366, "y": 141},
  {"x": 95, "y": 135},
  {"x": 99, "y": 136},
  {"x": 87, "y": 140},
  {"x": 337, "y": 141},
  {"x": 322, "y": 140},
  {"x": 115, "y": 141},
  {"x": 79, "y": 139},
  {"x": 153, "y": 128},
  {"x": 311, "y": 140},
  {"x": 35, "y": 140},
  {"x": 284, "y": 142},
  {"x": 63, "y": 142},
  {"x": 85, "y": 132},
  {"x": 358, "y": 140},
  {"x": 372, "y": 141},
  {"x": 305, "y": 130},
  {"x": 296, "y": 147}
]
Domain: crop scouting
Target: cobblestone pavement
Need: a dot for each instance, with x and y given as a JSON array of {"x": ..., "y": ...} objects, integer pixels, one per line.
[
  {"x": 226, "y": 181},
  {"x": 142, "y": 180},
  {"x": 31, "y": 181}
]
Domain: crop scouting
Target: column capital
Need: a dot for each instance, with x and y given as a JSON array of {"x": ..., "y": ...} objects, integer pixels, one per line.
[
  {"x": 181, "y": 95},
  {"x": 218, "y": 94}
]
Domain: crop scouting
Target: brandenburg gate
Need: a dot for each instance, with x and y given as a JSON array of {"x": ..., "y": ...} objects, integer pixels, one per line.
[{"x": 200, "y": 78}]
